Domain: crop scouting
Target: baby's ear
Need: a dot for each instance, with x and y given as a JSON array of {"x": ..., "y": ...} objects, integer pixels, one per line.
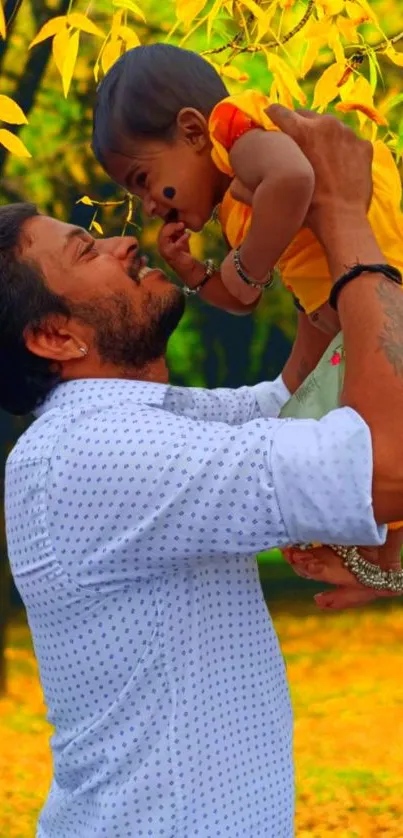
[{"x": 193, "y": 128}]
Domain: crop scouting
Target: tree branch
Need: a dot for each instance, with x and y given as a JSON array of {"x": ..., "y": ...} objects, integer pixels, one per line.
[{"x": 235, "y": 44}]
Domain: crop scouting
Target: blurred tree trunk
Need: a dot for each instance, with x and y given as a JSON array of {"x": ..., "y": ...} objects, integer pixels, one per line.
[{"x": 11, "y": 8}]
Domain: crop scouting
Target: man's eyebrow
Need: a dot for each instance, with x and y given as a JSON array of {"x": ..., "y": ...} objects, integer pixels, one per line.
[{"x": 73, "y": 234}]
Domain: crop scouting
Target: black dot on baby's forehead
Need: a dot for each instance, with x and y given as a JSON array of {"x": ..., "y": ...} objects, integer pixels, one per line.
[{"x": 169, "y": 192}]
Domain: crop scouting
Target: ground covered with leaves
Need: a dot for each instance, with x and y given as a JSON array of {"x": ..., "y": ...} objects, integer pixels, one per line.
[{"x": 347, "y": 691}]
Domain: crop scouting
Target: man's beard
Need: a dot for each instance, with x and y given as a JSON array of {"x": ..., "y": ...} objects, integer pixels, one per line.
[{"x": 125, "y": 339}]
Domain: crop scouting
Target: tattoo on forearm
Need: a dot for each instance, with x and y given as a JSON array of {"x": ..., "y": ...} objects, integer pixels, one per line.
[{"x": 391, "y": 338}]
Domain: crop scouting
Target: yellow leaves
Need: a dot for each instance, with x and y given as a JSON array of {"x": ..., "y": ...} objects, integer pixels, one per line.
[
  {"x": 335, "y": 44},
  {"x": 284, "y": 75},
  {"x": 96, "y": 226},
  {"x": 65, "y": 31},
  {"x": 111, "y": 52},
  {"x": 370, "y": 112},
  {"x": 13, "y": 143},
  {"x": 396, "y": 57},
  {"x": 84, "y": 24},
  {"x": 117, "y": 20},
  {"x": 229, "y": 71},
  {"x": 69, "y": 62},
  {"x": 347, "y": 28},
  {"x": 332, "y": 7},
  {"x": 85, "y": 200},
  {"x": 129, "y": 36},
  {"x": 212, "y": 16},
  {"x": 59, "y": 48},
  {"x": 358, "y": 652},
  {"x": 11, "y": 112},
  {"x": 49, "y": 29},
  {"x": 263, "y": 16},
  {"x": 2, "y": 21},
  {"x": 366, "y": 9},
  {"x": 327, "y": 87},
  {"x": 310, "y": 55},
  {"x": 188, "y": 10},
  {"x": 131, "y": 7},
  {"x": 360, "y": 99},
  {"x": 234, "y": 73}
]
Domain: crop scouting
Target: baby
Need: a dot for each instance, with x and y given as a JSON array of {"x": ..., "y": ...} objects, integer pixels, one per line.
[{"x": 166, "y": 130}]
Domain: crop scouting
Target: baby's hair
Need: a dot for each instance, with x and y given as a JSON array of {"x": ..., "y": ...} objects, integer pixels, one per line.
[{"x": 144, "y": 91}]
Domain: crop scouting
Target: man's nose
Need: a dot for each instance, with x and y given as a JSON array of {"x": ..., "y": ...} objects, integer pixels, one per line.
[{"x": 122, "y": 247}]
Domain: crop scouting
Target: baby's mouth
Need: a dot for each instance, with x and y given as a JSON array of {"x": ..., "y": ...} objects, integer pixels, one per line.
[{"x": 171, "y": 216}]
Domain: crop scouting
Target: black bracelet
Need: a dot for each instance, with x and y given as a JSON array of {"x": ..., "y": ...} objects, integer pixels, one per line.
[
  {"x": 210, "y": 270},
  {"x": 387, "y": 270}
]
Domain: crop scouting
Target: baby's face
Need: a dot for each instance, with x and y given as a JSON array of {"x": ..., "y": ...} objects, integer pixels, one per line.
[
  {"x": 326, "y": 319},
  {"x": 175, "y": 180}
]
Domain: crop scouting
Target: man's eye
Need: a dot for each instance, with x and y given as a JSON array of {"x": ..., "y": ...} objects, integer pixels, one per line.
[{"x": 90, "y": 247}]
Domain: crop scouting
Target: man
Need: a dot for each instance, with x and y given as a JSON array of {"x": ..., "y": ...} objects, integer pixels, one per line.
[{"x": 134, "y": 511}]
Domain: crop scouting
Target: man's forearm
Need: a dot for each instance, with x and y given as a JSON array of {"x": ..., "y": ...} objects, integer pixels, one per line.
[
  {"x": 308, "y": 348},
  {"x": 371, "y": 314}
]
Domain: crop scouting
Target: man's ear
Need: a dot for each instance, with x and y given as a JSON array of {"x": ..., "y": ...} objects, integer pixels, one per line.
[
  {"x": 56, "y": 339},
  {"x": 192, "y": 128}
]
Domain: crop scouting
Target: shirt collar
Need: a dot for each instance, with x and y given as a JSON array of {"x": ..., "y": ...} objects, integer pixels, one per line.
[{"x": 86, "y": 392}]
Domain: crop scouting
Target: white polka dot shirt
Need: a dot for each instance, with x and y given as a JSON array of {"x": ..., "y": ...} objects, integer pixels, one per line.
[{"x": 134, "y": 512}]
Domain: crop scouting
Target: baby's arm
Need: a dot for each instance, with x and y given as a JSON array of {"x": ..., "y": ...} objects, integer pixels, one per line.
[
  {"x": 173, "y": 244},
  {"x": 272, "y": 167}
]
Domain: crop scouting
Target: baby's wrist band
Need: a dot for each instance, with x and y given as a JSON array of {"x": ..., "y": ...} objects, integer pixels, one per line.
[
  {"x": 246, "y": 278},
  {"x": 387, "y": 270}
]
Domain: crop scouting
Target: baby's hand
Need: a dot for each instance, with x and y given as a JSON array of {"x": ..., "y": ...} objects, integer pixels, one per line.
[
  {"x": 173, "y": 245},
  {"x": 324, "y": 565}
]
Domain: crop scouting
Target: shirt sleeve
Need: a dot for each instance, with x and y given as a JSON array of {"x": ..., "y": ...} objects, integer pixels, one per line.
[
  {"x": 154, "y": 492},
  {"x": 231, "y": 406}
]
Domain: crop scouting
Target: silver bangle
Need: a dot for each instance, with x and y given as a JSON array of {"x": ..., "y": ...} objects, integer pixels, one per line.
[
  {"x": 210, "y": 270},
  {"x": 244, "y": 276},
  {"x": 368, "y": 574}
]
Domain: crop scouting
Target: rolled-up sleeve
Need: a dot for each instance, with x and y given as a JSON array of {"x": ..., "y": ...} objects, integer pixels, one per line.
[{"x": 322, "y": 473}]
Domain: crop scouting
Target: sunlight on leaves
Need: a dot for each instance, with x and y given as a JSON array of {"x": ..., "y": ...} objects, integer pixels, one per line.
[{"x": 69, "y": 62}]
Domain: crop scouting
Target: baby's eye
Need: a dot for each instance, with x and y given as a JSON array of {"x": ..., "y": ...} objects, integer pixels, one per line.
[{"x": 141, "y": 179}]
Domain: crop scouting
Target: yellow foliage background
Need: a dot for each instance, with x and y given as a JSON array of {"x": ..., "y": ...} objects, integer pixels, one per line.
[{"x": 347, "y": 695}]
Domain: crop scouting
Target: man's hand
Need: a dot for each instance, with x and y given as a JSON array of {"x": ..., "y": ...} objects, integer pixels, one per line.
[
  {"x": 341, "y": 162},
  {"x": 323, "y": 565}
]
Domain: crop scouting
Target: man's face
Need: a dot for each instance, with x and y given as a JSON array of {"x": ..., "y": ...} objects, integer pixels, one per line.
[{"x": 130, "y": 311}]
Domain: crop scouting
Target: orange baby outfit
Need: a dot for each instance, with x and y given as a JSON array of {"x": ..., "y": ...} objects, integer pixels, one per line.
[{"x": 303, "y": 265}]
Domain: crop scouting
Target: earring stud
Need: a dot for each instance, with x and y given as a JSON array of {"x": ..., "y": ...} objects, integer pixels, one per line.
[{"x": 84, "y": 350}]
